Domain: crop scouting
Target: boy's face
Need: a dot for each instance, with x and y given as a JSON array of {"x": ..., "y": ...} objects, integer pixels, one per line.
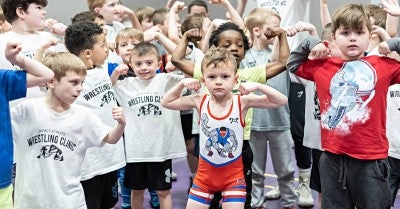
[
  {"x": 220, "y": 79},
  {"x": 352, "y": 43},
  {"x": 99, "y": 50},
  {"x": 146, "y": 23},
  {"x": 35, "y": 16},
  {"x": 124, "y": 48},
  {"x": 145, "y": 67},
  {"x": 108, "y": 11},
  {"x": 232, "y": 41},
  {"x": 198, "y": 10},
  {"x": 68, "y": 88}
]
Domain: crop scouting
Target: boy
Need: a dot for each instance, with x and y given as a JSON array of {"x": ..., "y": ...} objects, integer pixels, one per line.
[
  {"x": 13, "y": 86},
  {"x": 231, "y": 37},
  {"x": 149, "y": 155},
  {"x": 54, "y": 147},
  {"x": 352, "y": 93},
  {"x": 27, "y": 19},
  {"x": 99, "y": 170},
  {"x": 222, "y": 122},
  {"x": 269, "y": 127}
]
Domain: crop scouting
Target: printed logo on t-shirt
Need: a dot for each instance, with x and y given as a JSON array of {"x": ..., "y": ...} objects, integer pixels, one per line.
[
  {"x": 351, "y": 89},
  {"x": 273, "y": 4},
  {"x": 221, "y": 140},
  {"x": 52, "y": 141},
  {"x": 104, "y": 91},
  {"x": 147, "y": 104}
]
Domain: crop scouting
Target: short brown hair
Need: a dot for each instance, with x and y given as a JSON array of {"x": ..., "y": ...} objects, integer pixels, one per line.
[
  {"x": 62, "y": 62},
  {"x": 352, "y": 16},
  {"x": 132, "y": 33},
  {"x": 378, "y": 14},
  {"x": 145, "y": 48},
  {"x": 215, "y": 56},
  {"x": 92, "y": 4},
  {"x": 144, "y": 12}
]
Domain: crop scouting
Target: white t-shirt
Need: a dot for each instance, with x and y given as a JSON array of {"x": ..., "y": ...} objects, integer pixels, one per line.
[
  {"x": 99, "y": 97},
  {"x": 392, "y": 120},
  {"x": 30, "y": 44},
  {"x": 152, "y": 133},
  {"x": 50, "y": 149},
  {"x": 291, "y": 12}
]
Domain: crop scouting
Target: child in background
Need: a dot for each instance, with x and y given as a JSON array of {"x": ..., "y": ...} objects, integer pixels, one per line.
[
  {"x": 149, "y": 151},
  {"x": 222, "y": 123},
  {"x": 54, "y": 147},
  {"x": 13, "y": 86},
  {"x": 99, "y": 170},
  {"x": 145, "y": 16},
  {"x": 126, "y": 39},
  {"x": 270, "y": 127},
  {"x": 354, "y": 168},
  {"x": 27, "y": 19}
]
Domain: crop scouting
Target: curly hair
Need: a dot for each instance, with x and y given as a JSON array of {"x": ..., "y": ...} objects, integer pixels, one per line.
[{"x": 214, "y": 39}]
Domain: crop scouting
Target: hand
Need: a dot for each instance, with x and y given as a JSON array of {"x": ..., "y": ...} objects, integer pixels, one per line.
[
  {"x": 271, "y": 32},
  {"x": 384, "y": 49},
  {"x": 55, "y": 27},
  {"x": 323, "y": 1},
  {"x": 122, "y": 69},
  {"x": 118, "y": 115},
  {"x": 304, "y": 26},
  {"x": 12, "y": 53},
  {"x": 191, "y": 84},
  {"x": 382, "y": 33},
  {"x": 169, "y": 67},
  {"x": 391, "y": 7},
  {"x": 217, "y": 22},
  {"x": 248, "y": 87},
  {"x": 192, "y": 34},
  {"x": 111, "y": 45},
  {"x": 123, "y": 10},
  {"x": 178, "y": 7},
  {"x": 150, "y": 36},
  {"x": 49, "y": 43},
  {"x": 153, "y": 29},
  {"x": 290, "y": 30},
  {"x": 319, "y": 51}
]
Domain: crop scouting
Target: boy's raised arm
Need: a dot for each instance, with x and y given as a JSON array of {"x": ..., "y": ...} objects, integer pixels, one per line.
[
  {"x": 272, "y": 98},
  {"x": 301, "y": 53},
  {"x": 121, "y": 69},
  {"x": 116, "y": 132},
  {"x": 173, "y": 99},
  {"x": 274, "y": 68},
  {"x": 178, "y": 56},
  {"x": 38, "y": 73}
]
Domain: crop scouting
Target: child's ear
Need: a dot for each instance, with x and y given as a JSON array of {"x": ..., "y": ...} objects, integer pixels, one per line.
[
  {"x": 256, "y": 31},
  {"x": 50, "y": 83},
  {"x": 97, "y": 10},
  {"x": 159, "y": 64},
  {"x": 20, "y": 12}
]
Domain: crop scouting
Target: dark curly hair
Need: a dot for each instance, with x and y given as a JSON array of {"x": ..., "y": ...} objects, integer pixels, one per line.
[
  {"x": 81, "y": 36},
  {"x": 214, "y": 39}
]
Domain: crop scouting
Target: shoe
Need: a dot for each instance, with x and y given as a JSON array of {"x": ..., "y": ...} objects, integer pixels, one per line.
[
  {"x": 273, "y": 194},
  {"x": 154, "y": 202},
  {"x": 304, "y": 194},
  {"x": 174, "y": 176}
]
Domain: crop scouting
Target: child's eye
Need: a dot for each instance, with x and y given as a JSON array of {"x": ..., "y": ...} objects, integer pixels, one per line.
[
  {"x": 226, "y": 76},
  {"x": 211, "y": 77},
  {"x": 149, "y": 62}
]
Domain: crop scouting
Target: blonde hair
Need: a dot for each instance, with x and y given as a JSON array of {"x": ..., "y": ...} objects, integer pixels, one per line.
[
  {"x": 353, "y": 16},
  {"x": 257, "y": 18},
  {"x": 92, "y": 4},
  {"x": 62, "y": 62},
  {"x": 216, "y": 56},
  {"x": 131, "y": 33}
]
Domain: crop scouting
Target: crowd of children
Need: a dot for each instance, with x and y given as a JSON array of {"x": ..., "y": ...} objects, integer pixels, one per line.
[{"x": 99, "y": 108}]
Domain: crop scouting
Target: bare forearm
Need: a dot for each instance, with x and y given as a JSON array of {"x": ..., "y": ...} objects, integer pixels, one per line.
[
  {"x": 39, "y": 73},
  {"x": 173, "y": 94},
  {"x": 178, "y": 57},
  {"x": 115, "y": 134}
]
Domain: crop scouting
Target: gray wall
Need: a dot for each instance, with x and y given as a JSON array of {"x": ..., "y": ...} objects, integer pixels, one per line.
[{"x": 63, "y": 10}]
